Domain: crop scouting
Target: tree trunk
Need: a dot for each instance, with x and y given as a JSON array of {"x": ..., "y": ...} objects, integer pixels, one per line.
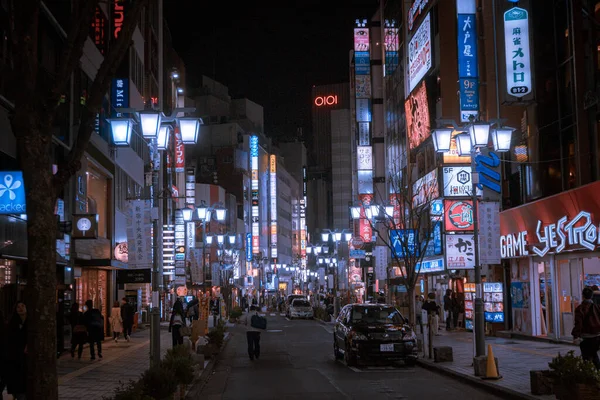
[
  {"x": 411, "y": 305},
  {"x": 40, "y": 296}
]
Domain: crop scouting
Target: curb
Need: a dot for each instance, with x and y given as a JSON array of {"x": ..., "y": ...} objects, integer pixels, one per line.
[
  {"x": 477, "y": 382},
  {"x": 198, "y": 384}
]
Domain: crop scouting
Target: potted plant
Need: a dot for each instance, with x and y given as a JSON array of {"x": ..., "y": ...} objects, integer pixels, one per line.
[
  {"x": 235, "y": 314},
  {"x": 574, "y": 378}
]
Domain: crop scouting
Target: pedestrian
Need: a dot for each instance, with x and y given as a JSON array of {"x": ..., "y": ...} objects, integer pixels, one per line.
[
  {"x": 418, "y": 309},
  {"x": 193, "y": 310},
  {"x": 94, "y": 322},
  {"x": 381, "y": 297},
  {"x": 16, "y": 354},
  {"x": 587, "y": 327},
  {"x": 432, "y": 313},
  {"x": 116, "y": 321},
  {"x": 177, "y": 321},
  {"x": 448, "y": 309},
  {"x": 3, "y": 349},
  {"x": 455, "y": 308},
  {"x": 79, "y": 334},
  {"x": 127, "y": 317},
  {"x": 252, "y": 334}
]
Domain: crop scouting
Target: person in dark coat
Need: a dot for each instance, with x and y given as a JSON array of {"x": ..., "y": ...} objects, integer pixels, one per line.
[
  {"x": 16, "y": 342},
  {"x": 127, "y": 317},
  {"x": 79, "y": 334},
  {"x": 177, "y": 321},
  {"x": 456, "y": 309},
  {"x": 94, "y": 322},
  {"x": 448, "y": 309}
]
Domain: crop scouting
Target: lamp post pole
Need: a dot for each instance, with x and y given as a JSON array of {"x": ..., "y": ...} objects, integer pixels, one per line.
[
  {"x": 479, "y": 310},
  {"x": 156, "y": 276}
]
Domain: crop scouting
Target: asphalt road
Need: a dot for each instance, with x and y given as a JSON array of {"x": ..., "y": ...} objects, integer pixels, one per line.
[{"x": 297, "y": 362}]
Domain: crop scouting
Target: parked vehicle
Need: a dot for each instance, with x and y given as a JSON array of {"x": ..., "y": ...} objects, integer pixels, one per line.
[
  {"x": 301, "y": 308},
  {"x": 373, "y": 332},
  {"x": 289, "y": 300}
]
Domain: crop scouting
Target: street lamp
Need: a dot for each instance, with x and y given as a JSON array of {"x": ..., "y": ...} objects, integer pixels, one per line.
[
  {"x": 162, "y": 140},
  {"x": 441, "y": 139},
  {"x": 355, "y": 212},
  {"x": 189, "y": 127},
  {"x": 121, "y": 129},
  {"x": 150, "y": 123},
  {"x": 469, "y": 144},
  {"x": 187, "y": 214}
]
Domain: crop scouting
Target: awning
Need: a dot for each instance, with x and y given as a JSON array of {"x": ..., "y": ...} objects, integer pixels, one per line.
[
  {"x": 101, "y": 262},
  {"x": 15, "y": 251}
]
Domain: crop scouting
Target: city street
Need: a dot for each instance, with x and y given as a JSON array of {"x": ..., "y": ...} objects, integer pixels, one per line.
[{"x": 297, "y": 362}]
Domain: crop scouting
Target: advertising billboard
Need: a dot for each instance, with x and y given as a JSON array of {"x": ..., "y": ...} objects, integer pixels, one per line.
[
  {"x": 517, "y": 54},
  {"x": 12, "y": 193},
  {"x": 362, "y": 63},
  {"x": 363, "y": 110},
  {"x": 460, "y": 251},
  {"x": 458, "y": 215},
  {"x": 273, "y": 202},
  {"x": 457, "y": 181},
  {"x": 419, "y": 53},
  {"x": 366, "y": 231},
  {"x": 417, "y": 116},
  {"x": 426, "y": 188},
  {"x": 361, "y": 39},
  {"x": 254, "y": 195},
  {"x": 362, "y": 86},
  {"x": 364, "y": 158}
]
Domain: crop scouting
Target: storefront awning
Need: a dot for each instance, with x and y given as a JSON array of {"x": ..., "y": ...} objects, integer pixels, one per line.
[{"x": 101, "y": 262}]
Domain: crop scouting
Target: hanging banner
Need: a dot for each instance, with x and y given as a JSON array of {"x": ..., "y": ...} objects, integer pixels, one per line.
[
  {"x": 179, "y": 152},
  {"x": 381, "y": 262},
  {"x": 139, "y": 235},
  {"x": 489, "y": 232}
]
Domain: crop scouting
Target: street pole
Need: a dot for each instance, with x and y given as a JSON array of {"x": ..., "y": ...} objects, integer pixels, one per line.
[
  {"x": 479, "y": 315},
  {"x": 336, "y": 299},
  {"x": 155, "y": 311}
]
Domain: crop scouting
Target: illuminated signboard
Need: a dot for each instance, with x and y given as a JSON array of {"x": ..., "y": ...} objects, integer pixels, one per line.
[
  {"x": 516, "y": 48},
  {"x": 414, "y": 11},
  {"x": 417, "y": 116},
  {"x": 460, "y": 251},
  {"x": 419, "y": 53},
  {"x": 364, "y": 158},
  {"x": 98, "y": 29},
  {"x": 119, "y": 96},
  {"x": 391, "y": 47},
  {"x": 254, "y": 194},
  {"x": 12, "y": 193},
  {"x": 426, "y": 189},
  {"x": 248, "y": 247},
  {"x": 457, "y": 181},
  {"x": 362, "y": 87},
  {"x": 361, "y": 39},
  {"x": 467, "y": 59},
  {"x": 458, "y": 215},
  {"x": 168, "y": 249},
  {"x": 273, "y": 203},
  {"x": 329, "y": 100},
  {"x": 118, "y": 15}
]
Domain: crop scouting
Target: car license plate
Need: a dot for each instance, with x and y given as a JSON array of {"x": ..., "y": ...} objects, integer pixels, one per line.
[{"x": 386, "y": 347}]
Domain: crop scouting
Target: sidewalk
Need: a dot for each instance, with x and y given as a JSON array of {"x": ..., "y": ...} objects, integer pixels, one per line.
[
  {"x": 515, "y": 359},
  {"x": 123, "y": 361}
]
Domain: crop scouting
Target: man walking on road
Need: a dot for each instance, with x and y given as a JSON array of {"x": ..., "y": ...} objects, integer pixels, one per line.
[
  {"x": 127, "y": 317},
  {"x": 252, "y": 334},
  {"x": 587, "y": 327}
]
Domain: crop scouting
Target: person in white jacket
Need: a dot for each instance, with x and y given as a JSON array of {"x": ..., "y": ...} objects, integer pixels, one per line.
[
  {"x": 252, "y": 334},
  {"x": 116, "y": 322}
]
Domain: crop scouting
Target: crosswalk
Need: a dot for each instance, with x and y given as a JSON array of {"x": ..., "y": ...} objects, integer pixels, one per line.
[{"x": 272, "y": 314}]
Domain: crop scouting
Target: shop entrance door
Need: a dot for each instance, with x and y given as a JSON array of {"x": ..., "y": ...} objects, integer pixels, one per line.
[
  {"x": 568, "y": 274},
  {"x": 544, "y": 282}
]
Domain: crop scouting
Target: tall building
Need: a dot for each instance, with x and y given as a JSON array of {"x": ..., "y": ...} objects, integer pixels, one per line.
[
  {"x": 341, "y": 167},
  {"x": 325, "y": 99}
]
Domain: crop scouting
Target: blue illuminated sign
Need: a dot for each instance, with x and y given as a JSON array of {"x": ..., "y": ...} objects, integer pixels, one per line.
[
  {"x": 119, "y": 95},
  {"x": 253, "y": 146},
  {"x": 434, "y": 246},
  {"x": 362, "y": 63},
  {"x": 469, "y": 94},
  {"x": 433, "y": 265},
  {"x": 494, "y": 317},
  {"x": 467, "y": 46},
  {"x": 489, "y": 171},
  {"x": 248, "y": 247},
  {"x": 403, "y": 239},
  {"x": 437, "y": 207},
  {"x": 12, "y": 193}
]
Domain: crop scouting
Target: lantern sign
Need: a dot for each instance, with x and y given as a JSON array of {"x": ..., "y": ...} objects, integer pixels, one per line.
[
  {"x": 121, "y": 252},
  {"x": 518, "y": 56}
]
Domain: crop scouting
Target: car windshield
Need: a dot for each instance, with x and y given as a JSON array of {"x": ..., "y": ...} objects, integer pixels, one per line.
[
  {"x": 297, "y": 297},
  {"x": 376, "y": 315},
  {"x": 300, "y": 303}
]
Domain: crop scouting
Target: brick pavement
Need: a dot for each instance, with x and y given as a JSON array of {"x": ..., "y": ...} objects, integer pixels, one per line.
[
  {"x": 515, "y": 359},
  {"x": 122, "y": 362}
]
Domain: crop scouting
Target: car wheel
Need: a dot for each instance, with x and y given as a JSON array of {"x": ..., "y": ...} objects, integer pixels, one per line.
[{"x": 349, "y": 356}]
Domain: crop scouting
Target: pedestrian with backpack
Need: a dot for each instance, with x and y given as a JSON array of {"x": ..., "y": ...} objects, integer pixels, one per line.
[
  {"x": 587, "y": 327},
  {"x": 254, "y": 324},
  {"x": 94, "y": 322}
]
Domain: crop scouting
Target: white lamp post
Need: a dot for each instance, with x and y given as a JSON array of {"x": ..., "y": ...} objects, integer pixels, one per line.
[
  {"x": 480, "y": 134},
  {"x": 337, "y": 236},
  {"x": 232, "y": 238},
  {"x": 150, "y": 123},
  {"x": 308, "y": 249},
  {"x": 121, "y": 129},
  {"x": 220, "y": 214},
  {"x": 220, "y": 239},
  {"x": 501, "y": 138},
  {"x": 325, "y": 236},
  {"x": 355, "y": 212},
  {"x": 389, "y": 211},
  {"x": 201, "y": 212},
  {"x": 347, "y": 236},
  {"x": 442, "y": 137},
  {"x": 187, "y": 214},
  {"x": 209, "y": 239},
  {"x": 463, "y": 144},
  {"x": 189, "y": 128},
  {"x": 162, "y": 140}
]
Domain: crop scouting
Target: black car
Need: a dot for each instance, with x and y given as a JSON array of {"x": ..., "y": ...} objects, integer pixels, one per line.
[{"x": 373, "y": 332}]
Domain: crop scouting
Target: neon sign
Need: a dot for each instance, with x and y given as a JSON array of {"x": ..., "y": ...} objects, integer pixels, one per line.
[
  {"x": 326, "y": 100},
  {"x": 118, "y": 16}
]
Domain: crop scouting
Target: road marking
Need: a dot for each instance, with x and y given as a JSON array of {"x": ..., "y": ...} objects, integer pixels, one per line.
[
  {"x": 327, "y": 330},
  {"x": 287, "y": 319},
  {"x": 274, "y": 330},
  {"x": 282, "y": 314},
  {"x": 273, "y": 314}
]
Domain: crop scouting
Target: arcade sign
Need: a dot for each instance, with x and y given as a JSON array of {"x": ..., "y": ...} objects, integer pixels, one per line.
[
  {"x": 556, "y": 237},
  {"x": 329, "y": 100}
]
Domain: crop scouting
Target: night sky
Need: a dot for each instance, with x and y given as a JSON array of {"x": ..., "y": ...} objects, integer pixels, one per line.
[{"x": 270, "y": 53}]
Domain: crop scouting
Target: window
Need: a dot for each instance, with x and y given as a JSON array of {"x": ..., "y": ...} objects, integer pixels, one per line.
[
  {"x": 125, "y": 188},
  {"x": 97, "y": 199},
  {"x": 136, "y": 70}
]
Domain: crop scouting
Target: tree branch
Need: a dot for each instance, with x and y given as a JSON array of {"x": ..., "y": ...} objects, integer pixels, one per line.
[
  {"x": 99, "y": 87},
  {"x": 73, "y": 48}
]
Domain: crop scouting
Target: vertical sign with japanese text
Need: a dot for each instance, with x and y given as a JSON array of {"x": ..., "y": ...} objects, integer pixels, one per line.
[
  {"x": 254, "y": 194},
  {"x": 273, "y": 202},
  {"x": 468, "y": 75},
  {"x": 489, "y": 232},
  {"x": 139, "y": 235},
  {"x": 179, "y": 152},
  {"x": 516, "y": 50}
]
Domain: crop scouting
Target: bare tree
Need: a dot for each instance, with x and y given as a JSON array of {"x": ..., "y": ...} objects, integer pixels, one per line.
[
  {"x": 37, "y": 97},
  {"x": 407, "y": 233}
]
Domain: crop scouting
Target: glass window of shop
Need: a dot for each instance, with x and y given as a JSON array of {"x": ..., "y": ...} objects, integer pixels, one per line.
[
  {"x": 97, "y": 199},
  {"x": 569, "y": 287}
]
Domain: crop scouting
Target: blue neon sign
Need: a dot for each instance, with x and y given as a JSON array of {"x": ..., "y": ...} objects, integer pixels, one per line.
[
  {"x": 248, "y": 247},
  {"x": 12, "y": 193},
  {"x": 253, "y": 146},
  {"x": 467, "y": 46}
]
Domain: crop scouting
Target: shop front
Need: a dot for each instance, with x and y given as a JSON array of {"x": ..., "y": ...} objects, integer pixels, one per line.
[{"x": 552, "y": 248}]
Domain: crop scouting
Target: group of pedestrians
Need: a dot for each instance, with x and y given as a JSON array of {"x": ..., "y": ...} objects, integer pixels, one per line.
[{"x": 88, "y": 326}]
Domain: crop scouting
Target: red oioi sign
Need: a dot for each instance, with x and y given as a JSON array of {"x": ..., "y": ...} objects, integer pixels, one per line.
[{"x": 330, "y": 100}]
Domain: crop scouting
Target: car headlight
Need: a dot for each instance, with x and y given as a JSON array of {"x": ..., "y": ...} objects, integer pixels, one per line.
[{"x": 358, "y": 336}]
